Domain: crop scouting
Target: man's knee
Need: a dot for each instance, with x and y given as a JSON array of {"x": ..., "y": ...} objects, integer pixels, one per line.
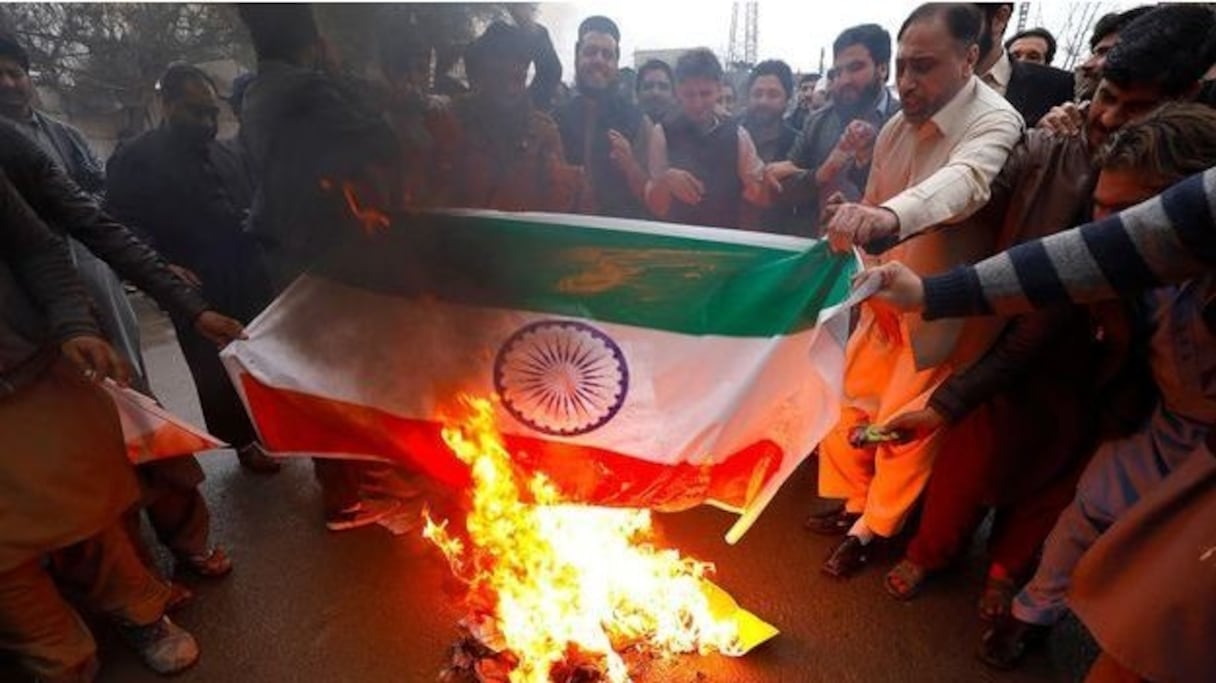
[{"x": 1104, "y": 489}]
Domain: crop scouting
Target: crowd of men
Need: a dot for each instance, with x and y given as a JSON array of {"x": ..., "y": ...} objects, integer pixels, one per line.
[{"x": 1059, "y": 416}]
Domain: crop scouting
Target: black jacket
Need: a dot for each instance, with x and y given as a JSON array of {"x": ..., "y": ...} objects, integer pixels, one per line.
[
  {"x": 68, "y": 210},
  {"x": 190, "y": 202},
  {"x": 42, "y": 301},
  {"x": 1034, "y": 89},
  {"x": 609, "y": 185}
]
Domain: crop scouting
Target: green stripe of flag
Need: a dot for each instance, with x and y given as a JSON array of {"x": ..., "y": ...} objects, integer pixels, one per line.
[{"x": 697, "y": 282}]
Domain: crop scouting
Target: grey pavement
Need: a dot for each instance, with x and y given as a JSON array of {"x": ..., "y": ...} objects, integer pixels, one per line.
[{"x": 369, "y": 607}]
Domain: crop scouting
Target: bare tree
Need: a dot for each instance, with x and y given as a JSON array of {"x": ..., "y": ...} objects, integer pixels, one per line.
[
  {"x": 105, "y": 56},
  {"x": 102, "y": 56}
]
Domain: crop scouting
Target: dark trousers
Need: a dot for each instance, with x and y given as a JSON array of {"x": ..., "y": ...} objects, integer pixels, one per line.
[
  {"x": 46, "y": 633},
  {"x": 955, "y": 506},
  {"x": 1107, "y": 670},
  {"x": 981, "y": 466},
  {"x": 222, "y": 408},
  {"x": 346, "y": 482},
  {"x": 340, "y": 482}
]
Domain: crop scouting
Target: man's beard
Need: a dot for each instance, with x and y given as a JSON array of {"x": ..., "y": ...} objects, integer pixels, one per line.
[
  {"x": 594, "y": 91},
  {"x": 867, "y": 97},
  {"x": 13, "y": 102},
  {"x": 194, "y": 135},
  {"x": 763, "y": 118},
  {"x": 1084, "y": 85}
]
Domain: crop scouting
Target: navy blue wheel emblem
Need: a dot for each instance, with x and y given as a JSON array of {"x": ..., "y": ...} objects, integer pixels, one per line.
[{"x": 561, "y": 377}]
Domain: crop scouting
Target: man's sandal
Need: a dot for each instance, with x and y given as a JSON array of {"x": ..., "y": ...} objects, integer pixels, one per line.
[
  {"x": 905, "y": 580},
  {"x": 997, "y": 598}
]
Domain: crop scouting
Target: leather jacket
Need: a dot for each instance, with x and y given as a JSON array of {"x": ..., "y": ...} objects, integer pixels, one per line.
[
  {"x": 68, "y": 210},
  {"x": 42, "y": 301}
]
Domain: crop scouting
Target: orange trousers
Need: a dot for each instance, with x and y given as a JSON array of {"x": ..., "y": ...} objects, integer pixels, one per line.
[{"x": 881, "y": 381}]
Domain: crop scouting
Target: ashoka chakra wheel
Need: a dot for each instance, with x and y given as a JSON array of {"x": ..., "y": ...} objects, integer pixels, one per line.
[{"x": 561, "y": 377}]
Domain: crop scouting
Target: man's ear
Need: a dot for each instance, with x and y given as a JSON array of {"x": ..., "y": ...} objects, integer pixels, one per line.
[{"x": 1002, "y": 17}]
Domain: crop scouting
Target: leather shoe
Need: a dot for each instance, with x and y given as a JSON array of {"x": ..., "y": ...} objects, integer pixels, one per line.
[
  {"x": 1006, "y": 642},
  {"x": 848, "y": 557},
  {"x": 255, "y": 459}
]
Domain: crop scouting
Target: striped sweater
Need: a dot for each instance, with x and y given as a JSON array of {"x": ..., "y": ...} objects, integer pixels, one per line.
[{"x": 1164, "y": 240}]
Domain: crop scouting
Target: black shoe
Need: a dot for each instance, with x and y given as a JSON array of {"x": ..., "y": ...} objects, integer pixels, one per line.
[
  {"x": 1006, "y": 642},
  {"x": 255, "y": 459},
  {"x": 835, "y": 523},
  {"x": 847, "y": 559}
]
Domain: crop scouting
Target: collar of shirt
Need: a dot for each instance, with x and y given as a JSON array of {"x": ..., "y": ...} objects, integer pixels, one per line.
[
  {"x": 34, "y": 122},
  {"x": 883, "y": 101},
  {"x": 948, "y": 117},
  {"x": 998, "y": 76}
]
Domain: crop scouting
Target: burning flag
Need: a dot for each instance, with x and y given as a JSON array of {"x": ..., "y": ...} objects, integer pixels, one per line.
[
  {"x": 635, "y": 364},
  {"x": 153, "y": 433}
]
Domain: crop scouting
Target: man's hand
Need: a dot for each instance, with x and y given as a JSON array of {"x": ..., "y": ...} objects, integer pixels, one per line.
[
  {"x": 683, "y": 185},
  {"x": 782, "y": 169},
  {"x": 898, "y": 286},
  {"x": 858, "y": 225},
  {"x": 1064, "y": 120},
  {"x": 187, "y": 275},
  {"x": 622, "y": 152},
  {"x": 858, "y": 136},
  {"x": 218, "y": 329},
  {"x": 915, "y": 425},
  {"x": 96, "y": 359},
  {"x": 772, "y": 182},
  {"x": 830, "y": 207}
]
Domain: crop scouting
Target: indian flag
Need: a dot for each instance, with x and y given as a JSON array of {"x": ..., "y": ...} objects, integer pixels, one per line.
[{"x": 635, "y": 364}]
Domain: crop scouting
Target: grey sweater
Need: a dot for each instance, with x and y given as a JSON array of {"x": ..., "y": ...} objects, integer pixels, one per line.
[{"x": 1167, "y": 239}]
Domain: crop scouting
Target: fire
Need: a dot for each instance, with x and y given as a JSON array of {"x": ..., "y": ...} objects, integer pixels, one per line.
[
  {"x": 371, "y": 220},
  {"x": 558, "y": 578}
]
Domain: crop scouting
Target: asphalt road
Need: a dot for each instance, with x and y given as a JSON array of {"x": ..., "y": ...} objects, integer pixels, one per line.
[{"x": 370, "y": 607}]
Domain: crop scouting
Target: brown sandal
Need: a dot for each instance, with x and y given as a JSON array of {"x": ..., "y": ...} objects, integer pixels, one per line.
[
  {"x": 905, "y": 580},
  {"x": 997, "y": 598},
  {"x": 212, "y": 564}
]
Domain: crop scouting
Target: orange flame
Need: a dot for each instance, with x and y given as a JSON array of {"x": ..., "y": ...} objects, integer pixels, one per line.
[
  {"x": 558, "y": 575},
  {"x": 372, "y": 220}
]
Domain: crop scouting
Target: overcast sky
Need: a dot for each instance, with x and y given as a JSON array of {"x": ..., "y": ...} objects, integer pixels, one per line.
[{"x": 792, "y": 30}]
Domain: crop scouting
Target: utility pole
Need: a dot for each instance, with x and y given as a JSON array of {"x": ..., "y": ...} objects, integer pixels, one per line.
[
  {"x": 752, "y": 31},
  {"x": 744, "y": 40},
  {"x": 1023, "y": 15}
]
